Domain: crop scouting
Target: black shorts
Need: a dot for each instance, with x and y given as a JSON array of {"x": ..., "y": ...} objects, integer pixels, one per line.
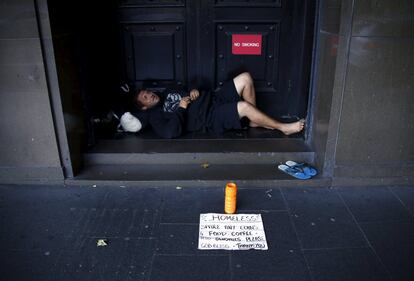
[{"x": 223, "y": 114}]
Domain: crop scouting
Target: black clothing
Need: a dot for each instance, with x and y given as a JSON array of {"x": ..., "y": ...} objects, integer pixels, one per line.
[
  {"x": 168, "y": 120},
  {"x": 223, "y": 114},
  {"x": 215, "y": 112}
]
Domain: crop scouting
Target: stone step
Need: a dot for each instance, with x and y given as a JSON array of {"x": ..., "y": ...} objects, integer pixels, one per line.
[
  {"x": 179, "y": 152},
  {"x": 190, "y": 175},
  {"x": 197, "y": 158}
]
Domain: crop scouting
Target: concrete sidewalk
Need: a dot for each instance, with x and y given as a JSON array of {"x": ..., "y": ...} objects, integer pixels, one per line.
[{"x": 50, "y": 233}]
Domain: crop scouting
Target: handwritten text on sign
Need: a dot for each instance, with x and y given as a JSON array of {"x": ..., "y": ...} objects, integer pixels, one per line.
[{"x": 231, "y": 232}]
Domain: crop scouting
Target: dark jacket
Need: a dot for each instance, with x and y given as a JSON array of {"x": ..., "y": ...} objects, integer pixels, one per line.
[{"x": 168, "y": 120}]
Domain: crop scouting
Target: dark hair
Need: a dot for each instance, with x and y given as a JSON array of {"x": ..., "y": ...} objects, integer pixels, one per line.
[{"x": 135, "y": 100}]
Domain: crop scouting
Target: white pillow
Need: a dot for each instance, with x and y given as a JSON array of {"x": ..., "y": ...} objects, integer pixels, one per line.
[{"x": 130, "y": 123}]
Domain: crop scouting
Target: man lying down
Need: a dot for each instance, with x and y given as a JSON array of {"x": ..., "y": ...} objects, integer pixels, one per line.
[{"x": 174, "y": 112}]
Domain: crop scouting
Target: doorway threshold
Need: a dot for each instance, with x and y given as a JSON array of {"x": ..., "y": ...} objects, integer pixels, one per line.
[
  {"x": 136, "y": 151},
  {"x": 190, "y": 162},
  {"x": 191, "y": 176}
]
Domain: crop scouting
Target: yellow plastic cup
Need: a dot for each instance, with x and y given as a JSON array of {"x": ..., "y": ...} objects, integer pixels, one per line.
[{"x": 230, "y": 198}]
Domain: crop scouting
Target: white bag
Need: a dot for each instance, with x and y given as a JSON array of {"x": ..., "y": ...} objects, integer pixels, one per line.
[{"x": 130, "y": 123}]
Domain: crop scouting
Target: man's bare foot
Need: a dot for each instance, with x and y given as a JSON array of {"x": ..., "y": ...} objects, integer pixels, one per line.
[{"x": 292, "y": 128}]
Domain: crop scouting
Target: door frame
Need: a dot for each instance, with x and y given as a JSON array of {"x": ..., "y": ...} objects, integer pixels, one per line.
[
  {"x": 325, "y": 152},
  {"x": 70, "y": 166}
]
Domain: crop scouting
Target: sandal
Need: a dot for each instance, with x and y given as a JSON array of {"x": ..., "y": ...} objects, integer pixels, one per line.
[
  {"x": 297, "y": 173},
  {"x": 305, "y": 168}
]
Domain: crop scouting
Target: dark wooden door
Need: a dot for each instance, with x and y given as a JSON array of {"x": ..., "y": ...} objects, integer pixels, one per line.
[{"x": 192, "y": 43}]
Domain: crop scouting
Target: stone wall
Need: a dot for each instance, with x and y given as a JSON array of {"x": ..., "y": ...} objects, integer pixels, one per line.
[
  {"x": 29, "y": 149},
  {"x": 376, "y": 92}
]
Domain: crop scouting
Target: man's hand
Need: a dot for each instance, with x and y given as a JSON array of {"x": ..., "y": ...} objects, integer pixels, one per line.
[
  {"x": 194, "y": 94},
  {"x": 184, "y": 102}
]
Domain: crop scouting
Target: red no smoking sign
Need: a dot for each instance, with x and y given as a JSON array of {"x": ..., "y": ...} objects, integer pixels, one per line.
[{"x": 246, "y": 44}]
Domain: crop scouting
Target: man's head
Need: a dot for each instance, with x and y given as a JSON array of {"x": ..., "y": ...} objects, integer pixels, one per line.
[{"x": 146, "y": 99}]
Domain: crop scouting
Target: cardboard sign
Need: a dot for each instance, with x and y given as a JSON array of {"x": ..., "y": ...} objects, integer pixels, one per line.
[
  {"x": 231, "y": 232},
  {"x": 246, "y": 44}
]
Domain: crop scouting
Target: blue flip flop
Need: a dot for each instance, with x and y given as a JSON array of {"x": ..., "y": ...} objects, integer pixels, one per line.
[
  {"x": 293, "y": 172},
  {"x": 307, "y": 169}
]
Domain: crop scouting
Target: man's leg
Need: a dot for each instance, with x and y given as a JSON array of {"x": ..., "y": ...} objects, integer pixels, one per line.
[
  {"x": 245, "y": 109},
  {"x": 245, "y": 89}
]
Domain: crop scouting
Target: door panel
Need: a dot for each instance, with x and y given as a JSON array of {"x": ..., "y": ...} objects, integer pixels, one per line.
[
  {"x": 154, "y": 52},
  {"x": 262, "y": 67}
]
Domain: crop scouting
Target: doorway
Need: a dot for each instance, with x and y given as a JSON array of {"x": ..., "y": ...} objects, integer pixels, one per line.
[
  {"x": 188, "y": 43},
  {"x": 195, "y": 43},
  {"x": 204, "y": 43}
]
